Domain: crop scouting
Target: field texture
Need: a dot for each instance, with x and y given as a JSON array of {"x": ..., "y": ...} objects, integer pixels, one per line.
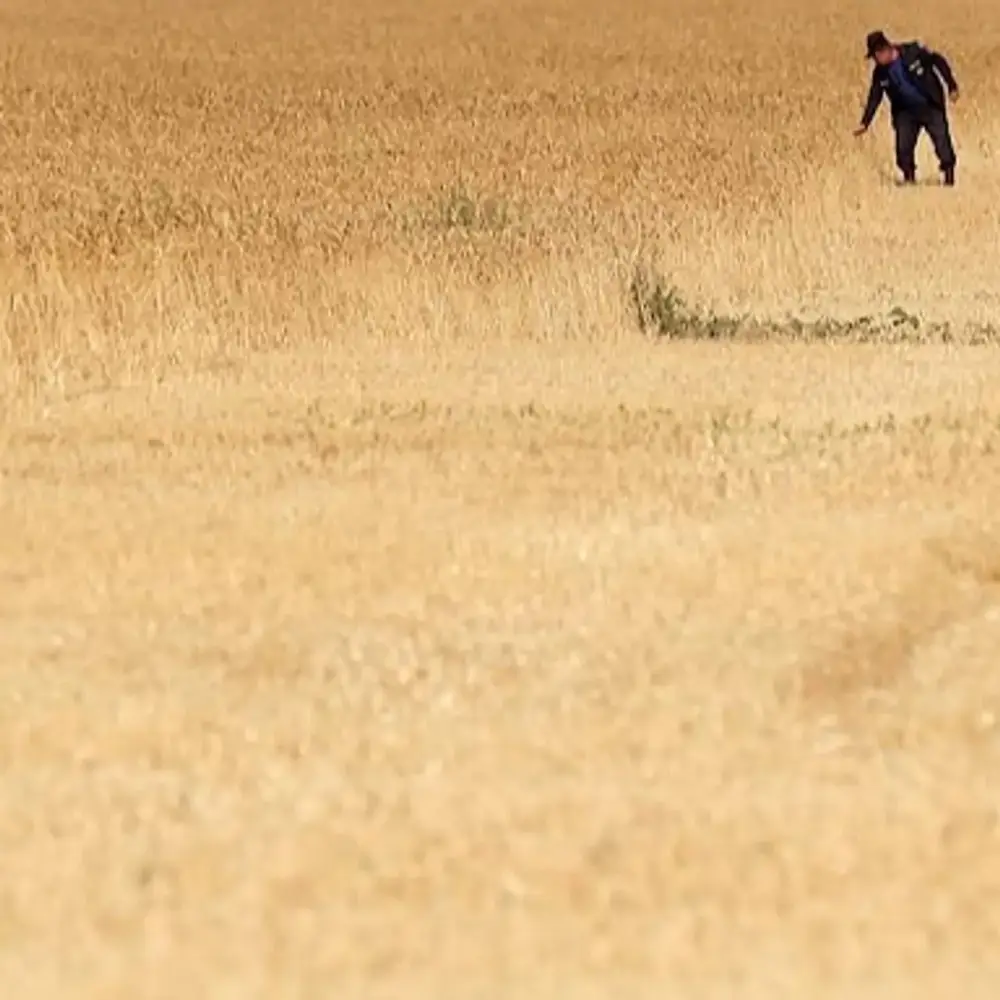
[{"x": 499, "y": 500}]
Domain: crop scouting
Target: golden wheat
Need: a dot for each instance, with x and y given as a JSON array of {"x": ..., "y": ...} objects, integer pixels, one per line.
[{"x": 385, "y": 614}]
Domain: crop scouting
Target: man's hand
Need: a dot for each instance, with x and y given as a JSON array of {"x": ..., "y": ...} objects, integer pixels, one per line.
[
  {"x": 953, "y": 95},
  {"x": 860, "y": 130}
]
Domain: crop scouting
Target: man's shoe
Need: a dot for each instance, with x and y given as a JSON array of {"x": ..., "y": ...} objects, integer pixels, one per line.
[
  {"x": 949, "y": 177},
  {"x": 909, "y": 177}
]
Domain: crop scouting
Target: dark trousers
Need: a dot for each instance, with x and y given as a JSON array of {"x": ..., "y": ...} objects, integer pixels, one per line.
[{"x": 908, "y": 125}]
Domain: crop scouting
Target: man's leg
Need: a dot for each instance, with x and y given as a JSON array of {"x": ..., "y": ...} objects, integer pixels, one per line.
[
  {"x": 907, "y": 130},
  {"x": 937, "y": 127}
]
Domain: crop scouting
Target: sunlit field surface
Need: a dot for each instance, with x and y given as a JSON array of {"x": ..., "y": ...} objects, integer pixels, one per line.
[{"x": 499, "y": 501}]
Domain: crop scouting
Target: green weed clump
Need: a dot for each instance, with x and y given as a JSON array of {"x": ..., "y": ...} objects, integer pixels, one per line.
[{"x": 662, "y": 311}]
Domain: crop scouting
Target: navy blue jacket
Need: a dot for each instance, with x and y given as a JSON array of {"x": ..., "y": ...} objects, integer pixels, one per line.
[{"x": 926, "y": 69}]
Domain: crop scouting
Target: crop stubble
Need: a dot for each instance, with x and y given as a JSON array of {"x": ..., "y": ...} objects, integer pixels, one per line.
[{"x": 383, "y": 614}]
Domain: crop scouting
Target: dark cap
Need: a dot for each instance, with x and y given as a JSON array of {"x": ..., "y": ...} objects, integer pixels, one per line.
[{"x": 875, "y": 42}]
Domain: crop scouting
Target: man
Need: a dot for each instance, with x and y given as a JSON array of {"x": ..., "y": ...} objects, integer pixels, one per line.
[{"x": 911, "y": 76}]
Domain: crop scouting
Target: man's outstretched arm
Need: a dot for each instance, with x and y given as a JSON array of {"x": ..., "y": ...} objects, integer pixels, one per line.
[{"x": 871, "y": 106}]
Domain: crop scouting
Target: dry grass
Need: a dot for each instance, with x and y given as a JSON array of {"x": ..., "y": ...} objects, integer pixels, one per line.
[{"x": 384, "y": 615}]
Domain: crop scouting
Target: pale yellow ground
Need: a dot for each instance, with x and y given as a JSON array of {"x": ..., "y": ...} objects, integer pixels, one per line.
[
  {"x": 666, "y": 672},
  {"x": 382, "y": 615}
]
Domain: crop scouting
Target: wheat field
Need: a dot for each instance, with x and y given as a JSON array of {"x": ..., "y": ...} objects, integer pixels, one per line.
[{"x": 387, "y": 611}]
